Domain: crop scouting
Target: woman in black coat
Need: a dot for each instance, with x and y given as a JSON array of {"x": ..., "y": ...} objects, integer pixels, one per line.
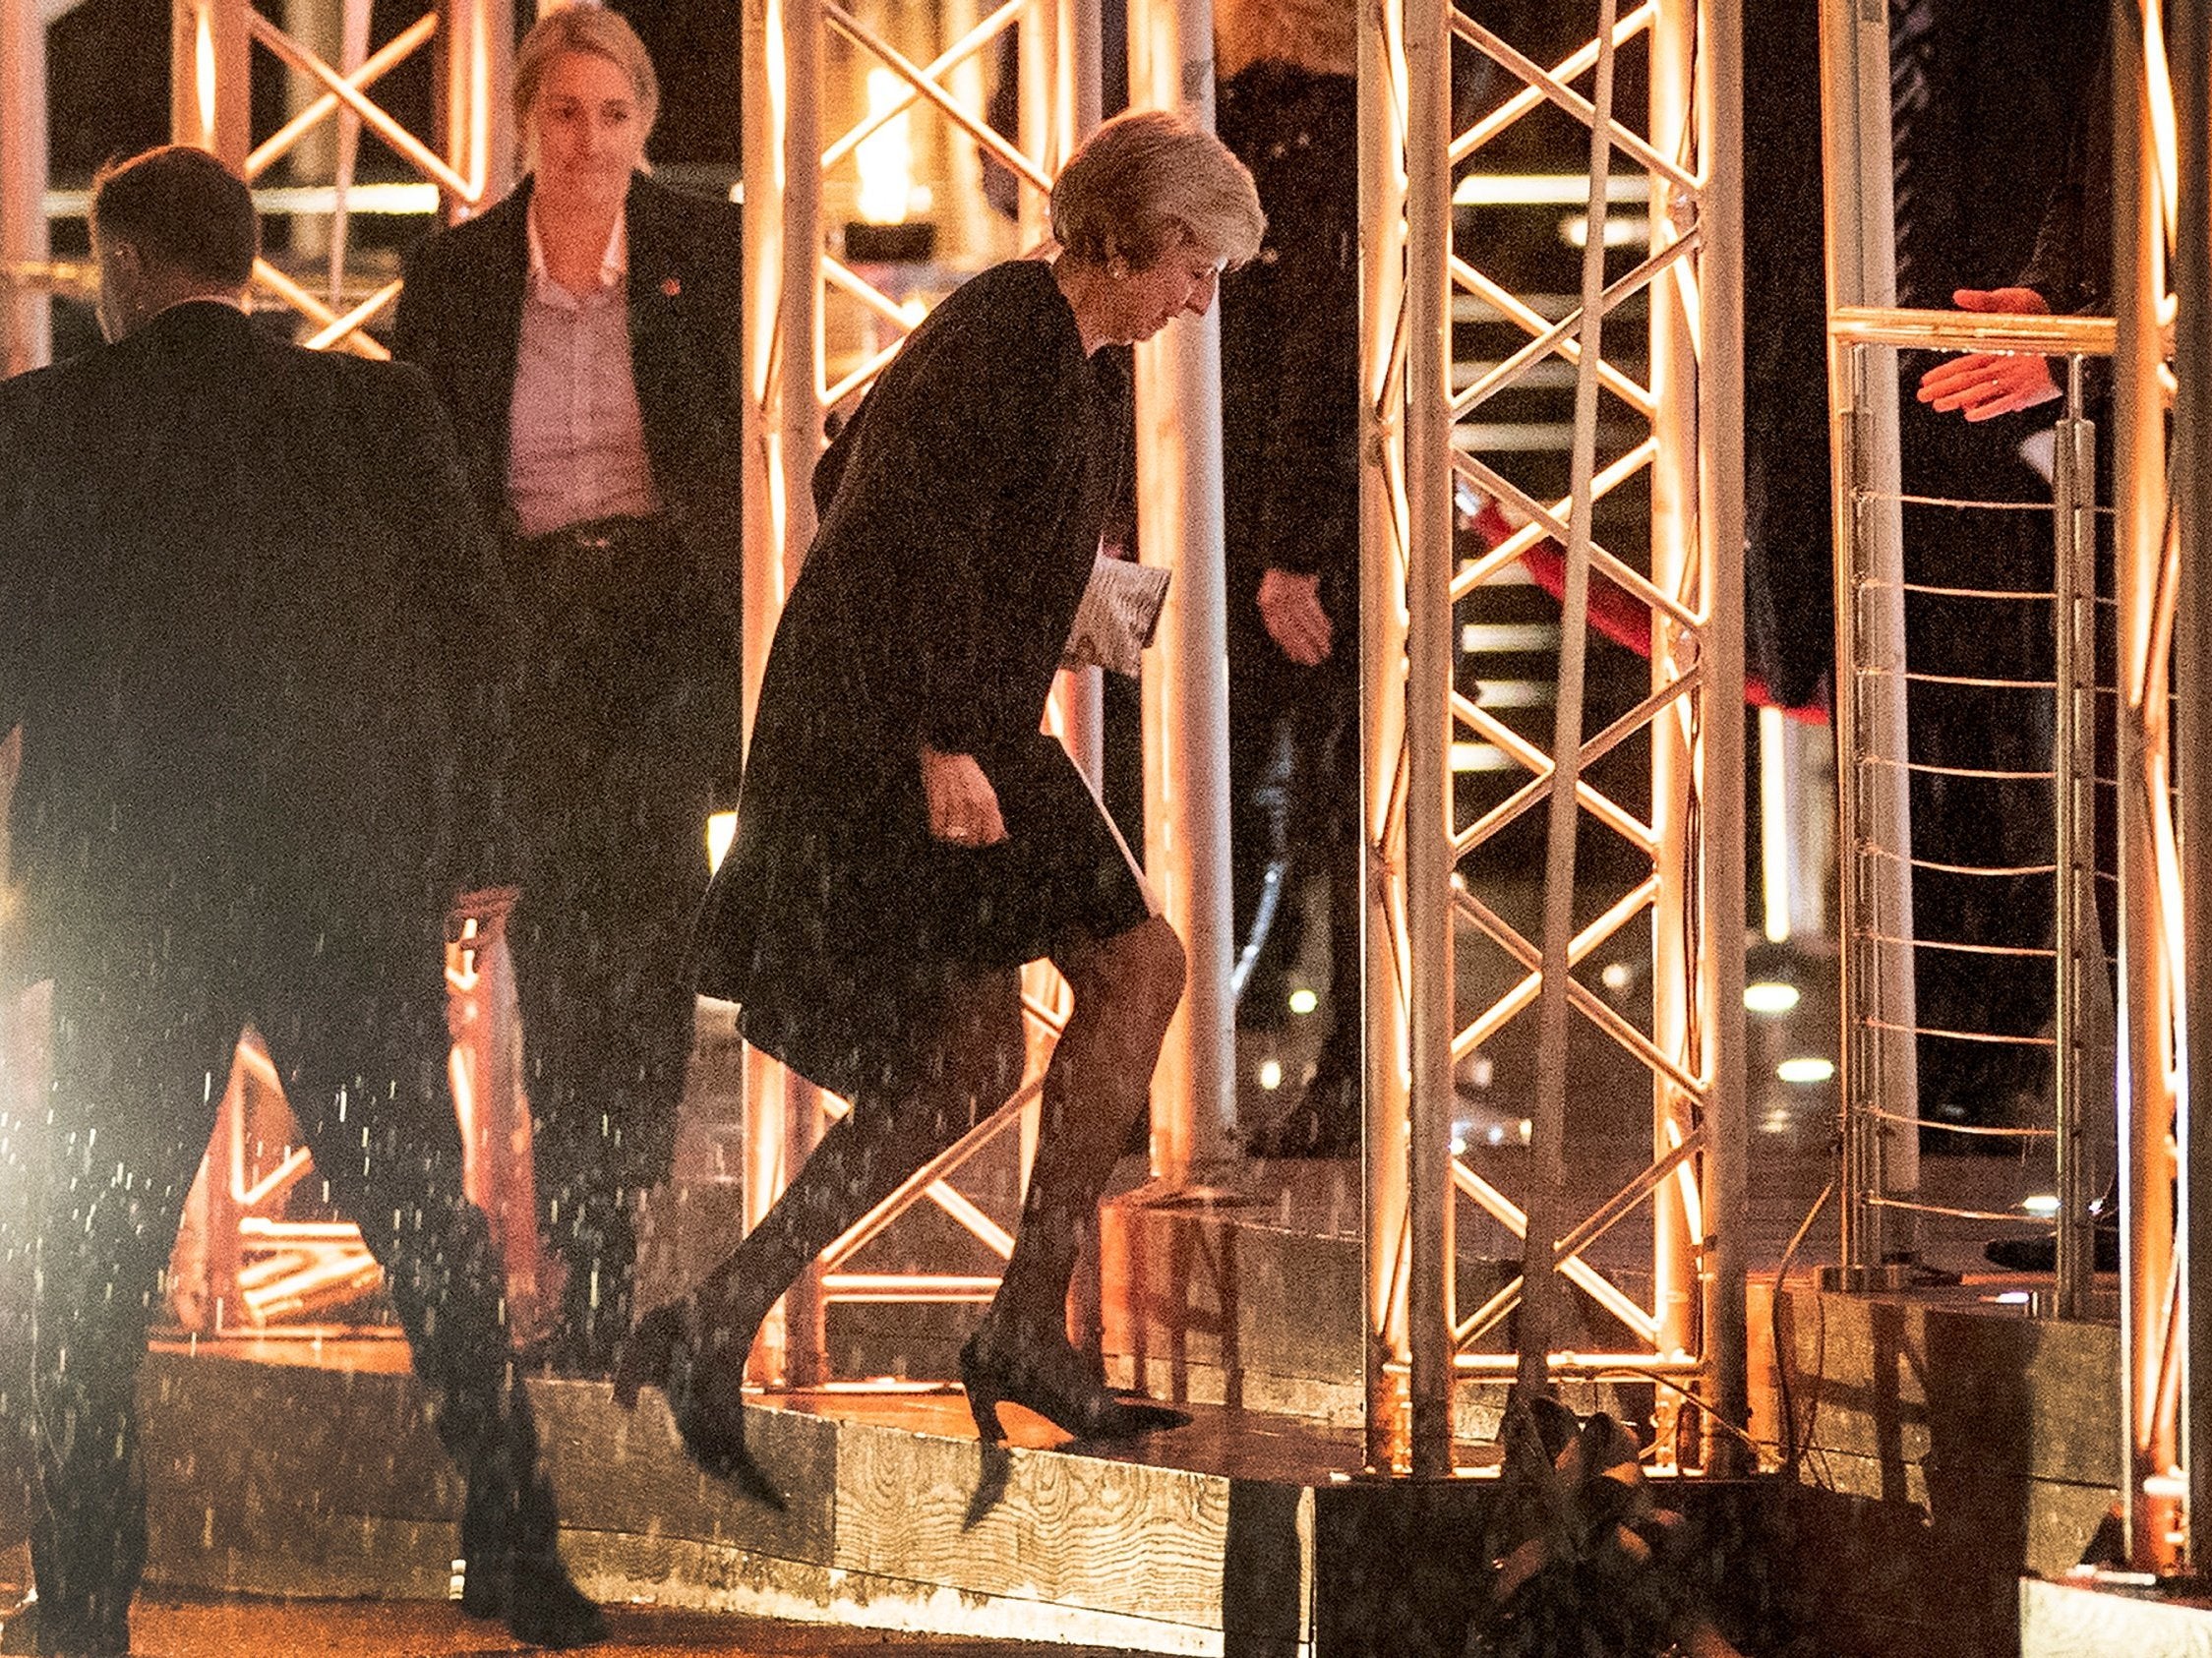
[
  {"x": 583, "y": 335},
  {"x": 907, "y": 837}
]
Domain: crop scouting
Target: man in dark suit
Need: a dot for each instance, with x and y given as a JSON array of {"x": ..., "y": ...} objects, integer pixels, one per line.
[
  {"x": 254, "y": 640},
  {"x": 583, "y": 336}
]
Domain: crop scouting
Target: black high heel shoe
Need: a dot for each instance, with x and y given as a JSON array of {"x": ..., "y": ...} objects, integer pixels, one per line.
[
  {"x": 663, "y": 1351},
  {"x": 1053, "y": 1379}
]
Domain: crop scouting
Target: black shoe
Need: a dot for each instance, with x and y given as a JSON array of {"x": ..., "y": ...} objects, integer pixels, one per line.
[
  {"x": 664, "y": 1352},
  {"x": 1050, "y": 1377},
  {"x": 512, "y": 1571},
  {"x": 535, "y": 1598},
  {"x": 2040, "y": 1254}
]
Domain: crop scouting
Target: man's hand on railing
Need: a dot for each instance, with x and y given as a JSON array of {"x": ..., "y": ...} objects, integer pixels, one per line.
[{"x": 1984, "y": 385}]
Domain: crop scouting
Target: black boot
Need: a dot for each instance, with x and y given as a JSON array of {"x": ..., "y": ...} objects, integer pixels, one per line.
[{"x": 511, "y": 1541}]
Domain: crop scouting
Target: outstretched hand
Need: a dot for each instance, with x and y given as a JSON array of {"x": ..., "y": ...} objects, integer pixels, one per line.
[
  {"x": 963, "y": 805},
  {"x": 1984, "y": 385}
]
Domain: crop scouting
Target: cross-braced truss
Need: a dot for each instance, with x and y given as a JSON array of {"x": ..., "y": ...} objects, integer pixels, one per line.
[
  {"x": 1688, "y": 848},
  {"x": 211, "y": 99}
]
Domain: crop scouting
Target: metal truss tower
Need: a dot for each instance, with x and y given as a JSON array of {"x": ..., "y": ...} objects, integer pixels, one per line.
[{"x": 1689, "y": 1340}]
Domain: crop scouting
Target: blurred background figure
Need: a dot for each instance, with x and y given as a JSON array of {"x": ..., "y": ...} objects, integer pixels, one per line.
[
  {"x": 583, "y": 333},
  {"x": 1287, "y": 106}
]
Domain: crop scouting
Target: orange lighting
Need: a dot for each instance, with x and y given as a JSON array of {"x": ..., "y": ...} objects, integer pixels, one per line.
[{"x": 887, "y": 156}]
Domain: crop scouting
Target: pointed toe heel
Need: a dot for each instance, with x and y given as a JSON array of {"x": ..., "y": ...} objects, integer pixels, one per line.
[{"x": 1049, "y": 1377}]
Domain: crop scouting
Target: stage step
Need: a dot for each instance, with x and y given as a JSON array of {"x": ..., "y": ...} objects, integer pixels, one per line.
[
  {"x": 1242, "y": 1534},
  {"x": 2077, "y": 1621}
]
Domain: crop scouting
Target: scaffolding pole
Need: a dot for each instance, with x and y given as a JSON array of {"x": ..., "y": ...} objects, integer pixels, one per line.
[
  {"x": 1879, "y": 1078},
  {"x": 26, "y": 309},
  {"x": 1186, "y": 672}
]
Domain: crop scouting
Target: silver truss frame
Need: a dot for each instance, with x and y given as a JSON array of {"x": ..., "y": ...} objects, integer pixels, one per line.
[{"x": 1693, "y": 1339}]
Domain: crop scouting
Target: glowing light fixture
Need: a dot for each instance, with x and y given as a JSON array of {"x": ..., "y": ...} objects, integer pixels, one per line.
[
  {"x": 1303, "y": 1001},
  {"x": 1770, "y": 996},
  {"x": 887, "y": 156},
  {"x": 1808, "y": 1068},
  {"x": 1270, "y": 1073},
  {"x": 2043, "y": 1204},
  {"x": 1615, "y": 977}
]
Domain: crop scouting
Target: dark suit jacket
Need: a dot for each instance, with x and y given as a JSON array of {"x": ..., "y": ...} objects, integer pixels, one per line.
[
  {"x": 460, "y": 316},
  {"x": 250, "y": 626}
]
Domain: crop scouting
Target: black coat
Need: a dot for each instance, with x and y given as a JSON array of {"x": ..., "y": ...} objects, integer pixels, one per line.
[
  {"x": 460, "y": 316},
  {"x": 961, "y": 513},
  {"x": 249, "y": 624}
]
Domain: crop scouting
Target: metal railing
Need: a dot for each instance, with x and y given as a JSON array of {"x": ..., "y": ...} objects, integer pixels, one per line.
[{"x": 1886, "y": 1187}]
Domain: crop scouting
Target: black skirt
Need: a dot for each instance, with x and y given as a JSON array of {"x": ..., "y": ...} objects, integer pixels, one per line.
[{"x": 842, "y": 947}]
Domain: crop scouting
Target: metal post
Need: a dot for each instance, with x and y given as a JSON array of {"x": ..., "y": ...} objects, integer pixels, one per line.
[
  {"x": 210, "y": 101},
  {"x": 783, "y": 436},
  {"x": 1721, "y": 873},
  {"x": 1677, "y": 567},
  {"x": 1382, "y": 654},
  {"x": 26, "y": 311},
  {"x": 2147, "y": 1081},
  {"x": 1430, "y": 648},
  {"x": 2073, "y": 777},
  {"x": 1874, "y": 808},
  {"x": 1186, "y": 677},
  {"x": 1539, "y": 1314},
  {"x": 2192, "y": 59},
  {"x": 477, "y": 55}
]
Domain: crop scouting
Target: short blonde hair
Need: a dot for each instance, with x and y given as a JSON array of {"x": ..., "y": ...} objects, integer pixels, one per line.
[
  {"x": 1146, "y": 182},
  {"x": 584, "y": 28}
]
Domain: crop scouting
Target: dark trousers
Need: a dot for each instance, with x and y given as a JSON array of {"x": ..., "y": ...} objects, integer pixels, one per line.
[
  {"x": 1294, "y": 801},
  {"x": 147, "y": 1008},
  {"x": 630, "y": 684}
]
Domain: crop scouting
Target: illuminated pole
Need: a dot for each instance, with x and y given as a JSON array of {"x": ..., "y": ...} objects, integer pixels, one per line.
[
  {"x": 782, "y": 439},
  {"x": 2192, "y": 513},
  {"x": 1382, "y": 744},
  {"x": 209, "y": 103},
  {"x": 1879, "y": 1069},
  {"x": 1187, "y": 673},
  {"x": 1720, "y": 870},
  {"x": 1429, "y": 651},
  {"x": 2148, "y": 1088},
  {"x": 477, "y": 55},
  {"x": 25, "y": 313}
]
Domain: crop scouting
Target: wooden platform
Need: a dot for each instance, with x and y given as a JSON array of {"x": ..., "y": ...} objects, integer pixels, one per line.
[
  {"x": 1980, "y": 1445},
  {"x": 2078, "y": 1620},
  {"x": 1242, "y": 1534}
]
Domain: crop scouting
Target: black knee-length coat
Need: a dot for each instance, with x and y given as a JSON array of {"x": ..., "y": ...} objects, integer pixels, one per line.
[{"x": 961, "y": 510}]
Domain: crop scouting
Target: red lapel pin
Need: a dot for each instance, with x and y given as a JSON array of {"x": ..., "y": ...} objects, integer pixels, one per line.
[{"x": 671, "y": 286}]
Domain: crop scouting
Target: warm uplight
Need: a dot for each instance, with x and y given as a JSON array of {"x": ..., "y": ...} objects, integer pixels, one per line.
[
  {"x": 1303, "y": 1001},
  {"x": 885, "y": 156},
  {"x": 204, "y": 76},
  {"x": 1806, "y": 1069},
  {"x": 1775, "y": 819},
  {"x": 1771, "y": 997}
]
